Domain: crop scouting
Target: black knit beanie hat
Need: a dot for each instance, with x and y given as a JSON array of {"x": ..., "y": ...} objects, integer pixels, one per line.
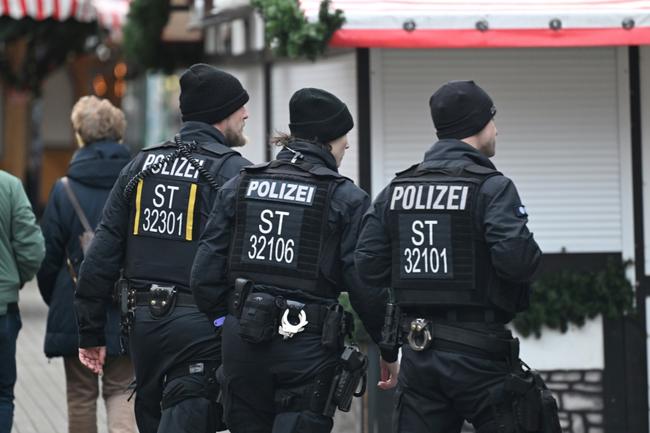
[
  {"x": 460, "y": 109},
  {"x": 315, "y": 114},
  {"x": 209, "y": 95}
]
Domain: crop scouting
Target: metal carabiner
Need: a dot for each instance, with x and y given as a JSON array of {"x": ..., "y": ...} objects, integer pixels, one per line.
[
  {"x": 419, "y": 337},
  {"x": 288, "y": 329}
]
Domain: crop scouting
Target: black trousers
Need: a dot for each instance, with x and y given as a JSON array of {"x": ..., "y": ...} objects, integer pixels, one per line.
[
  {"x": 254, "y": 373},
  {"x": 439, "y": 389},
  {"x": 159, "y": 344}
]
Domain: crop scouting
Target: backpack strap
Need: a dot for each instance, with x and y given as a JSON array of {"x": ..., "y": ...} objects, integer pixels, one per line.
[{"x": 75, "y": 204}]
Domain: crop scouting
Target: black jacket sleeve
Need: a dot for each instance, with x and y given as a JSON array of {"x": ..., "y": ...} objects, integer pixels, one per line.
[
  {"x": 514, "y": 252},
  {"x": 101, "y": 266},
  {"x": 209, "y": 279},
  {"x": 373, "y": 251},
  {"x": 231, "y": 167},
  {"x": 367, "y": 300}
]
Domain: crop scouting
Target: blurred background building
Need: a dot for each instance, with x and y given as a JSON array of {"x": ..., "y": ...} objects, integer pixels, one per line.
[{"x": 571, "y": 81}]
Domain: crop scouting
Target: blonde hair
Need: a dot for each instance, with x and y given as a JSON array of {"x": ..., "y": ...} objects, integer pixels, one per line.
[
  {"x": 281, "y": 139},
  {"x": 95, "y": 119}
]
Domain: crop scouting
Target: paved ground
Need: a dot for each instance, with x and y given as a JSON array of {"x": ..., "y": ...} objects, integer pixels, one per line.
[{"x": 40, "y": 390}]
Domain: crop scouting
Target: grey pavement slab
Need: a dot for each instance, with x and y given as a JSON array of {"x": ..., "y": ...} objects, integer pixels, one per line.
[{"x": 40, "y": 388}]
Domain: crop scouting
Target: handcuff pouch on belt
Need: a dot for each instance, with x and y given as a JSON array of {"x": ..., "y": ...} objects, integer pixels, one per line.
[
  {"x": 533, "y": 406},
  {"x": 349, "y": 381},
  {"x": 259, "y": 318},
  {"x": 162, "y": 301}
]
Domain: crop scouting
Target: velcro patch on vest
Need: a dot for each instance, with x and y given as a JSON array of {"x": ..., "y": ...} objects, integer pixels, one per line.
[
  {"x": 166, "y": 209},
  {"x": 272, "y": 234},
  {"x": 281, "y": 191},
  {"x": 425, "y": 246}
]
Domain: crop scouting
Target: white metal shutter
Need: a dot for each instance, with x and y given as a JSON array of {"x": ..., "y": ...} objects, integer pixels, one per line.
[
  {"x": 644, "y": 60},
  {"x": 558, "y": 122},
  {"x": 252, "y": 78},
  {"x": 335, "y": 74}
]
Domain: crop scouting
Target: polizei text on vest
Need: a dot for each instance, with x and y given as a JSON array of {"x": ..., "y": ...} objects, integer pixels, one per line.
[{"x": 423, "y": 196}]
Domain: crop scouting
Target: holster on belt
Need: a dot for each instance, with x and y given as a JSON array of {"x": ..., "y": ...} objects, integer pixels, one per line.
[
  {"x": 533, "y": 406},
  {"x": 352, "y": 372},
  {"x": 126, "y": 300}
]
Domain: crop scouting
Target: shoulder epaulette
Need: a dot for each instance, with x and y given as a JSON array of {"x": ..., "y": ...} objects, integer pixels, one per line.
[
  {"x": 406, "y": 171},
  {"x": 160, "y": 146},
  {"x": 217, "y": 148},
  {"x": 479, "y": 169},
  {"x": 256, "y": 167}
]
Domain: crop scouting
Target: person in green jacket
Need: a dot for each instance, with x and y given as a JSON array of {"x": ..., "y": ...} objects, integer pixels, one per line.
[{"x": 21, "y": 251}]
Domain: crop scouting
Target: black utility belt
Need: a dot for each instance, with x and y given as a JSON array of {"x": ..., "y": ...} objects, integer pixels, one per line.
[
  {"x": 422, "y": 333},
  {"x": 263, "y": 316},
  {"x": 201, "y": 368},
  {"x": 153, "y": 299},
  {"x": 162, "y": 300},
  {"x": 469, "y": 315}
]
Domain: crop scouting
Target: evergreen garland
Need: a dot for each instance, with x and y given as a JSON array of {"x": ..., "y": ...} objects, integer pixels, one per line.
[
  {"x": 144, "y": 25},
  {"x": 50, "y": 44},
  {"x": 573, "y": 297},
  {"x": 288, "y": 32},
  {"x": 143, "y": 48}
]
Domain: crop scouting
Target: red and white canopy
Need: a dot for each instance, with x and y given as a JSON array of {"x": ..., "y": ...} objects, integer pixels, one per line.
[
  {"x": 488, "y": 23},
  {"x": 111, "y": 14},
  {"x": 60, "y": 10}
]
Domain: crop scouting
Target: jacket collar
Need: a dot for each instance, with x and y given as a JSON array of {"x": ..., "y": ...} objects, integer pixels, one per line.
[
  {"x": 98, "y": 164},
  {"x": 457, "y": 152},
  {"x": 206, "y": 136},
  {"x": 308, "y": 152}
]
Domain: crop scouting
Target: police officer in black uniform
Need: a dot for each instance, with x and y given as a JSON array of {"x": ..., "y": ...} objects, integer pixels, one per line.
[
  {"x": 295, "y": 223},
  {"x": 449, "y": 236},
  {"x": 149, "y": 232}
]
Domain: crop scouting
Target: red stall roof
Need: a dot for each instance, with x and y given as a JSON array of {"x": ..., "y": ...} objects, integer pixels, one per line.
[
  {"x": 488, "y": 23},
  {"x": 61, "y": 10},
  {"x": 111, "y": 14}
]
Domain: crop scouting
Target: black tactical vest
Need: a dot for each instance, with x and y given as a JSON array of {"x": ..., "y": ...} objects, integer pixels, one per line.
[
  {"x": 169, "y": 206},
  {"x": 439, "y": 254},
  {"x": 282, "y": 226}
]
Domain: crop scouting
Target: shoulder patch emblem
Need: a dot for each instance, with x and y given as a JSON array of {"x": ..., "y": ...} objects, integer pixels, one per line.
[{"x": 521, "y": 211}]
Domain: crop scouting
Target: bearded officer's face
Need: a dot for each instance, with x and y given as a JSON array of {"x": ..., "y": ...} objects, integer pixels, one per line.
[
  {"x": 233, "y": 128},
  {"x": 487, "y": 139}
]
